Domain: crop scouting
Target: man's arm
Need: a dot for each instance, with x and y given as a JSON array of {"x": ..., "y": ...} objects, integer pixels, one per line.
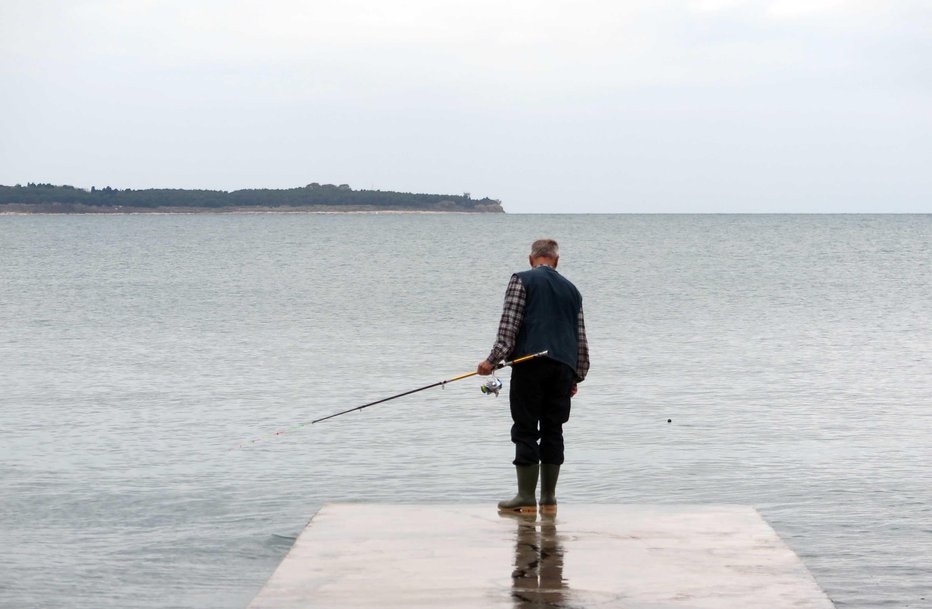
[
  {"x": 512, "y": 317},
  {"x": 582, "y": 365}
]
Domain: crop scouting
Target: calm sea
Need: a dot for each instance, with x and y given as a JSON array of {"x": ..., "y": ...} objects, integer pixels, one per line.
[{"x": 793, "y": 355}]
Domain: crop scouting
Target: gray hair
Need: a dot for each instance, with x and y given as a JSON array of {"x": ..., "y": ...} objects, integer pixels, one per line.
[{"x": 545, "y": 248}]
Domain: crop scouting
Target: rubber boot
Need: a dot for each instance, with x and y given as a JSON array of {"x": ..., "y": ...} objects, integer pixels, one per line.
[
  {"x": 548, "y": 488},
  {"x": 525, "y": 501}
]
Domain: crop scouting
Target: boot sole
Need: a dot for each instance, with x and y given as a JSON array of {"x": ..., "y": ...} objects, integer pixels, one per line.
[
  {"x": 548, "y": 509},
  {"x": 521, "y": 509}
]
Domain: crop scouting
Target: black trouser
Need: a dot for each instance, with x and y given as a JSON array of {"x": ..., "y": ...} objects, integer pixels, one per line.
[{"x": 540, "y": 405}]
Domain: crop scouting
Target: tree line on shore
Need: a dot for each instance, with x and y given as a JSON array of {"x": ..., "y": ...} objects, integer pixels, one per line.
[{"x": 70, "y": 198}]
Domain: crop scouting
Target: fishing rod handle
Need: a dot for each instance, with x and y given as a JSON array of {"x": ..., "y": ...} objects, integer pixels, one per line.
[{"x": 523, "y": 358}]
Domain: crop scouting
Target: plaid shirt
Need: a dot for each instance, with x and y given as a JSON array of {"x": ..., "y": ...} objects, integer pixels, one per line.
[{"x": 513, "y": 316}]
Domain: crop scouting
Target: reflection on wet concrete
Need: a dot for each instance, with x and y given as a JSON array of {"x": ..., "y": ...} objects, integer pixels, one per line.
[{"x": 537, "y": 579}]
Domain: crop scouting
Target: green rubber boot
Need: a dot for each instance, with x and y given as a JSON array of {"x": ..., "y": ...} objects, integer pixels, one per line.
[
  {"x": 525, "y": 501},
  {"x": 548, "y": 488}
]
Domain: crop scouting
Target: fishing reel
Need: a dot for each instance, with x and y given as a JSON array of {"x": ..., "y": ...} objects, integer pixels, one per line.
[{"x": 493, "y": 385}]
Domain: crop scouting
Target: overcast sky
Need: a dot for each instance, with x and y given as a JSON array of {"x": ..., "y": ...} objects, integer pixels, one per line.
[{"x": 550, "y": 105}]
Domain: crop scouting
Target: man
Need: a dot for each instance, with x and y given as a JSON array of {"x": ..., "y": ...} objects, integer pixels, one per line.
[{"x": 542, "y": 312}]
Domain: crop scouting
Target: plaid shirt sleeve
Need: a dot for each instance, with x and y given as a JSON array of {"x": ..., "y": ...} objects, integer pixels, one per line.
[
  {"x": 512, "y": 317},
  {"x": 582, "y": 365}
]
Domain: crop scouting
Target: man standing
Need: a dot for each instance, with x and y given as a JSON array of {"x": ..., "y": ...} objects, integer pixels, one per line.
[{"x": 542, "y": 312}]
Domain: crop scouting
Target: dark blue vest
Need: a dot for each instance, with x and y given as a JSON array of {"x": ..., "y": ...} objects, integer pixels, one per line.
[{"x": 551, "y": 316}]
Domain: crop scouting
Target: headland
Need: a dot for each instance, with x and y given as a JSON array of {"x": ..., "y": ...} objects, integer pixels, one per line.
[{"x": 312, "y": 198}]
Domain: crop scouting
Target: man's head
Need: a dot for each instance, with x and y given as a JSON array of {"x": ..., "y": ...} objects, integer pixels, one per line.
[{"x": 544, "y": 251}]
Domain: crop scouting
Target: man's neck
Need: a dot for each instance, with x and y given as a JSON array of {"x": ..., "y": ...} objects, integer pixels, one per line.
[{"x": 543, "y": 261}]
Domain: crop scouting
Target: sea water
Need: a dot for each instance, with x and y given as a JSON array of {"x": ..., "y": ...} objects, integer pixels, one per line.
[{"x": 792, "y": 356}]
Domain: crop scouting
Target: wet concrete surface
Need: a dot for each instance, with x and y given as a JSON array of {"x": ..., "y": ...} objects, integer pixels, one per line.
[{"x": 625, "y": 556}]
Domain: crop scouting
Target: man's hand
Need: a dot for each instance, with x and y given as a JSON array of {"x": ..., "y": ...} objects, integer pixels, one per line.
[
  {"x": 573, "y": 390},
  {"x": 485, "y": 368}
]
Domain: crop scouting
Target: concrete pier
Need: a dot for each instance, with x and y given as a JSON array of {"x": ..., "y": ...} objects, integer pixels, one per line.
[{"x": 625, "y": 556}]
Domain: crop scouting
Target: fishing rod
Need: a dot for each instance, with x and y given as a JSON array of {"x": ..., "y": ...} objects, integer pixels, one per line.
[
  {"x": 485, "y": 389},
  {"x": 432, "y": 385}
]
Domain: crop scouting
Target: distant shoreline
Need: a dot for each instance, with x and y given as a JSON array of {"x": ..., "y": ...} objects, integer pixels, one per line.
[
  {"x": 48, "y": 210},
  {"x": 312, "y": 198}
]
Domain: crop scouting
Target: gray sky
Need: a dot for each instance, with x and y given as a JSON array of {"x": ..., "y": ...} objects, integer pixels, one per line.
[{"x": 551, "y": 105}]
